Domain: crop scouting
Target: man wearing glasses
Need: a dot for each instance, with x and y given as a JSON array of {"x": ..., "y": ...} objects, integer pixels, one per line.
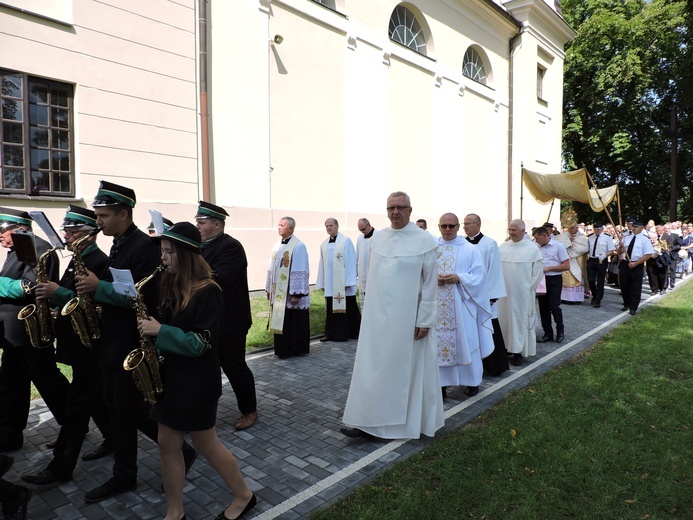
[
  {"x": 21, "y": 363},
  {"x": 395, "y": 386},
  {"x": 85, "y": 397}
]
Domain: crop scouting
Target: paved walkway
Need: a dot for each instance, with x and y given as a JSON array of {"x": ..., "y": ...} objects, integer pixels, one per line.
[{"x": 294, "y": 458}]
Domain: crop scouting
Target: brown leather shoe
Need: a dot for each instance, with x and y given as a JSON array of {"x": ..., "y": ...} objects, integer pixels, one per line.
[{"x": 246, "y": 421}]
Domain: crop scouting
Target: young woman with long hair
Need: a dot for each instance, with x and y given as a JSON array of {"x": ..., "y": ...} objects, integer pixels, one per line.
[{"x": 187, "y": 335}]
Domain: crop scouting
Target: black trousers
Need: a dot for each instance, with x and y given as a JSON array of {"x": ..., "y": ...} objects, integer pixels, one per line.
[
  {"x": 20, "y": 366},
  {"x": 84, "y": 399},
  {"x": 656, "y": 275},
  {"x": 295, "y": 337},
  {"x": 342, "y": 326},
  {"x": 596, "y": 273},
  {"x": 232, "y": 360},
  {"x": 497, "y": 362},
  {"x": 129, "y": 412},
  {"x": 631, "y": 284},
  {"x": 674, "y": 262},
  {"x": 550, "y": 305}
]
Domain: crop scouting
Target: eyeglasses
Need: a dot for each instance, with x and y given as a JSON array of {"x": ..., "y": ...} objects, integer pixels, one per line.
[
  {"x": 390, "y": 209},
  {"x": 448, "y": 226}
]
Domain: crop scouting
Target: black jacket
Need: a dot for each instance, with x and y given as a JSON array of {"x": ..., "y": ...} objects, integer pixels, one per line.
[
  {"x": 137, "y": 252},
  {"x": 14, "y": 332},
  {"x": 226, "y": 257}
]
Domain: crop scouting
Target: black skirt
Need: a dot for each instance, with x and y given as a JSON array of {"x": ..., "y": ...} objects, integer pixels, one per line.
[{"x": 186, "y": 419}]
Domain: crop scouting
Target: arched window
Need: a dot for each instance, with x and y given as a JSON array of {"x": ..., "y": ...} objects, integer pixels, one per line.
[
  {"x": 473, "y": 66},
  {"x": 404, "y": 28}
]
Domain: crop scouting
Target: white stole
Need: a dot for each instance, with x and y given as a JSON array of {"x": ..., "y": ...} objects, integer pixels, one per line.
[
  {"x": 338, "y": 272},
  {"x": 279, "y": 285}
]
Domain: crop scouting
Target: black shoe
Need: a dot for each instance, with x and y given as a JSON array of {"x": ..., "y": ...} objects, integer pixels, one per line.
[
  {"x": 596, "y": 305},
  {"x": 545, "y": 339},
  {"x": 559, "y": 337},
  {"x": 50, "y": 445},
  {"x": 189, "y": 456},
  {"x": 516, "y": 360},
  {"x": 324, "y": 339},
  {"x": 251, "y": 504},
  {"x": 624, "y": 308},
  {"x": 471, "y": 391},
  {"x": 632, "y": 312},
  {"x": 355, "y": 433},
  {"x": 105, "y": 448},
  {"x": 45, "y": 477},
  {"x": 110, "y": 489},
  {"x": 16, "y": 508},
  {"x": 5, "y": 464}
]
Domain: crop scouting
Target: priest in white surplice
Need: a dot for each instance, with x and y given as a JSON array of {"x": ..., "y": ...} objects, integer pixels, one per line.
[
  {"x": 363, "y": 247},
  {"x": 395, "y": 386},
  {"x": 465, "y": 334},
  {"x": 289, "y": 293},
  {"x": 522, "y": 270},
  {"x": 337, "y": 279},
  {"x": 497, "y": 362}
]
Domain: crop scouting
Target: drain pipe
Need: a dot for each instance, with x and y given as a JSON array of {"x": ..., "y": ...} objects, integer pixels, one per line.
[
  {"x": 511, "y": 108},
  {"x": 204, "y": 111}
]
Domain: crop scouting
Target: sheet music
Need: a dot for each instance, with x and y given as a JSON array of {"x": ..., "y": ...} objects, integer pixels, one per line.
[
  {"x": 123, "y": 282},
  {"x": 157, "y": 221},
  {"x": 45, "y": 225}
]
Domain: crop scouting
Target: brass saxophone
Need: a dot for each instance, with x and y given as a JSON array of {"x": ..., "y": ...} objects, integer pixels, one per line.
[
  {"x": 37, "y": 316},
  {"x": 82, "y": 310},
  {"x": 144, "y": 362}
]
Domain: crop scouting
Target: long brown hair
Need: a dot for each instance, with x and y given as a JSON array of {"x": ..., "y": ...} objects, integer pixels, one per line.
[{"x": 193, "y": 274}]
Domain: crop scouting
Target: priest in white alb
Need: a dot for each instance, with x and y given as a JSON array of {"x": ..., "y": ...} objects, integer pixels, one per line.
[
  {"x": 577, "y": 246},
  {"x": 337, "y": 279},
  {"x": 363, "y": 247},
  {"x": 395, "y": 386},
  {"x": 522, "y": 271},
  {"x": 496, "y": 363},
  {"x": 465, "y": 333},
  {"x": 289, "y": 293}
]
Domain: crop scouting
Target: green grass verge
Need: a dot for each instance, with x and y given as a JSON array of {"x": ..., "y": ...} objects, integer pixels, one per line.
[
  {"x": 606, "y": 436},
  {"x": 259, "y": 336}
]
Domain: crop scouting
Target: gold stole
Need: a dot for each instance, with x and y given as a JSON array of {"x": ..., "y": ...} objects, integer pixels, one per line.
[
  {"x": 279, "y": 285},
  {"x": 338, "y": 269}
]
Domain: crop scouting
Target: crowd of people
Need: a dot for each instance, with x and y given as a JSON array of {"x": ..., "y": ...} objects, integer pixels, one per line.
[{"x": 429, "y": 312}]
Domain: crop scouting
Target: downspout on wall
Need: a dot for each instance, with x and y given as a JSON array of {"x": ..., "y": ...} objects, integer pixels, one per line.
[
  {"x": 204, "y": 111},
  {"x": 511, "y": 107}
]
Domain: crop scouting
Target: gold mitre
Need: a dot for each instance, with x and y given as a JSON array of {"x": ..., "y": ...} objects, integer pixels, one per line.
[{"x": 569, "y": 218}]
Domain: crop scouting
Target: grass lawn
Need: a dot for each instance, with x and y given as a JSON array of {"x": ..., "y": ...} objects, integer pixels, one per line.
[{"x": 607, "y": 436}]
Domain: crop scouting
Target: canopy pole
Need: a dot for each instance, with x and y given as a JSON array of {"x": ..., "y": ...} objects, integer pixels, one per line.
[
  {"x": 606, "y": 210},
  {"x": 522, "y": 186},
  {"x": 548, "y": 218}
]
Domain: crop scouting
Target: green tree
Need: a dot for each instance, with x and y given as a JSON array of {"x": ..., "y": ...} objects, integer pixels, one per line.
[{"x": 622, "y": 76}]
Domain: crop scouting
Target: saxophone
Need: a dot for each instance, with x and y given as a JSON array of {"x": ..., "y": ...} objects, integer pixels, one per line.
[
  {"x": 83, "y": 312},
  {"x": 37, "y": 316},
  {"x": 144, "y": 362}
]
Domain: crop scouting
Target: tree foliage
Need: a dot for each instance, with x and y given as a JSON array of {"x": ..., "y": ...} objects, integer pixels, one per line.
[{"x": 629, "y": 64}]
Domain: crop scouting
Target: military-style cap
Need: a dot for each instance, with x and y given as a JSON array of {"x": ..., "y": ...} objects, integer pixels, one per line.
[
  {"x": 598, "y": 225},
  {"x": 209, "y": 210},
  {"x": 11, "y": 217},
  {"x": 184, "y": 234},
  {"x": 77, "y": 216},
  {"x": 110, "y": 194},
  {"x": 630, "y": 219},
  {"x": 638, "y": 222}
]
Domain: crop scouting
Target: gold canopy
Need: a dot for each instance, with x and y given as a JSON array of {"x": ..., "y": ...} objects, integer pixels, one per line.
[{"x": 568, "y": 186}]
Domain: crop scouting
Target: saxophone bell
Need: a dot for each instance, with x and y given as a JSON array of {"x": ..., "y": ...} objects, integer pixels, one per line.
[{"x": 29, "y": 316}]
